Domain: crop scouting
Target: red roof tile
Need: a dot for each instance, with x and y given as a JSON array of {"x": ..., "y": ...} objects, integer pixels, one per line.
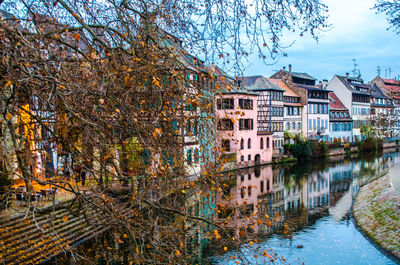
[{"x": 335, "y": 103}]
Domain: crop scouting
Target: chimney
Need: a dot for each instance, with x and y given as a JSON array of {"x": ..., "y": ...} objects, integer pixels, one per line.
[
  {"x": 290, "y": 68},
  {"x": 324, "y": 83},
  {"x": 347, "y": 75}
]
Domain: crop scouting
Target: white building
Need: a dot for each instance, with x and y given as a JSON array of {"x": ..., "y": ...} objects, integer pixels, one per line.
[{"x": 356, "y": 97}]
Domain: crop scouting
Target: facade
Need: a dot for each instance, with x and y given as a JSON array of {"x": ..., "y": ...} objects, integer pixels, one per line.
[
  {"x": 356, "y": 97},
  {"x": 314, "y": 98},
  {"x": 340, "y": 122},
  {"x": 238, "y": 138},
  {"x": 292, "y": 109},
  {"x": 382, "y": 112},
  {"x": 270, "y": 114},
  {"x": 391, "y": 89}
]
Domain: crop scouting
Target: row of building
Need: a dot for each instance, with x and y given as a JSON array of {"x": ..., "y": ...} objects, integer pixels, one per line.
[{"x": 274, "y": 109}]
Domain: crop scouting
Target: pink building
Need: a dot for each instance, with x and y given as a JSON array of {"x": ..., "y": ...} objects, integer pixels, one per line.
[{"x": 240, "y": 143}]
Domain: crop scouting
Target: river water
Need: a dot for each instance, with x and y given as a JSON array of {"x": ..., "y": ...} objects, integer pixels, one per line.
[{"x": 303, "y": 211}]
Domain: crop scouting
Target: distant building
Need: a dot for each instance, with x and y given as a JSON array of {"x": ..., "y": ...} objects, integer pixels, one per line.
[
  {"x": 382, "y": 112},
  {"x": 238, "y": 136},
  {"x": 340, "y": 122},
  {"x": 391, "y": 89},
  {"x": 270, "y": 108},
  {"x": 292, "y": 108},
  {"x": 356, "y": 97},
  {"x": 314, "y": 98}
]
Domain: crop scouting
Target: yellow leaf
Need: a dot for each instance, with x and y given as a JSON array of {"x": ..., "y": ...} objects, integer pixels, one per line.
[
  {"x": 177, "y": 252},
  {"x": 8, "y": 84},
  {"x": 8, "y": 116},
  {"x": 225, "y": 248},
  {"x": 65, "y": 218},
  {"x": 156, "y": 82},
  {"x": 183, "y": 191}
]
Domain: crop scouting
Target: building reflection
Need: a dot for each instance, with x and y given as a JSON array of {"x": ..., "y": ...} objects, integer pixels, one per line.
[{"x": 271, "y": 199}]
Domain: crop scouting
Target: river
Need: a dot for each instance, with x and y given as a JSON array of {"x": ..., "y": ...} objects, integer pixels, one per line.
[{"x": 303, "y": 212}]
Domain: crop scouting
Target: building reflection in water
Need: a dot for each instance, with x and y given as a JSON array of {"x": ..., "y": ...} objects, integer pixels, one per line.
[{"x": 273, "y": 199}]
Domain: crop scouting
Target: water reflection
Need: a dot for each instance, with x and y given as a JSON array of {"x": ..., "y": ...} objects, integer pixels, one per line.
[{"x": 260, "y": 202}]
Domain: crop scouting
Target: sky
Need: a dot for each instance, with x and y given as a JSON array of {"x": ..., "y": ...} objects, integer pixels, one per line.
[{"x": 357, "y": 33}]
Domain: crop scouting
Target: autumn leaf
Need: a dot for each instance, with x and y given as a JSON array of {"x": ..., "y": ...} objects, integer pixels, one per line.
[
  {"x": 157, "y": 132},
  {"x": 8, "y": 84},
  {"x": 65, "y": 218},
  {"x": 217, "y": 235},
  {"x": 156, "y": 82},
  {"x": 77, "y": 36},
  {"x": 177, "y": 252}
]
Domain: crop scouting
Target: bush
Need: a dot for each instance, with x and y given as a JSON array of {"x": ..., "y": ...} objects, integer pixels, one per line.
[
  {"x": 319, "y": 149},
  {"x": 368, "y": 144},
  {"x": 301, "y": 149},
  {"x": 347, "y": 146}
]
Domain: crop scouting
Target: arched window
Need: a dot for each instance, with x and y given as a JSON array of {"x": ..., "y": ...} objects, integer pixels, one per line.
[
  {"x": 249, "y": 143},
  {"x": 267, "y": 142},
  {"x": 241, "y": 144},
  {"x": 262, "y": 143}
]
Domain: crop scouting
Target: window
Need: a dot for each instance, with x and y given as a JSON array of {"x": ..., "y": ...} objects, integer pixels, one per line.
[
  {"x": 196, "y": 155},
  {"x": 245, "y": 124},
  {"x": 241, "y": 158},
  {"x": 225, "y": 103},
  {"x": 241, "y": 144},
  {"x": 262, "y": 186},
  {"x": 267, "y": 142},
  {"x": 246, "y": 103},
  {"x": 249, "y": 157},
  {"x": 262, "y": 143},
  {"x": 225, "y": 125},
  {"x": 226, "y": 145},
  {"x": 249, "y": 143},
  {"x": 189, "y": 156}
]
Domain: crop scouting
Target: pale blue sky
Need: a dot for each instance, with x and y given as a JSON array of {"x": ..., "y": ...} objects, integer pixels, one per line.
[{"x": 357, "y": 33}]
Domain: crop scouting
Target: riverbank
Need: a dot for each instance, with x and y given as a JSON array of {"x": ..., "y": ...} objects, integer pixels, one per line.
[{"x": 377, "y": 214}]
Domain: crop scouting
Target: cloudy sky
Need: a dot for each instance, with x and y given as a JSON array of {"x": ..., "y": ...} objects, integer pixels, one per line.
[{"x": 357, "y": 33}]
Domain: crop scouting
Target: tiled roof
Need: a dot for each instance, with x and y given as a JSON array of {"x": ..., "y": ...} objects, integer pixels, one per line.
[
  {"x": 258, "y": 83},
  {"x": 376, "y": 92},
  {"x": 393, "y": 86},
  {"x": 303, "y": 76},
  {"x": 281, "y": 84},
  {"x": 335, "y": 103},
  {"x": 391, "y": 82}
]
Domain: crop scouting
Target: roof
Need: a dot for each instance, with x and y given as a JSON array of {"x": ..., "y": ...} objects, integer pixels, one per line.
[
  {"x": 309, "y": 87},
  {"x": 391, "y": 82},
  {"x": 335, "y": 103},
  {"x": 303, "y": 76},
  {"x": 281, "y": 84},
  {"x": 393, "y": 86},
  {"x": 258, "y": 83},
  {"x": 228, "y": 84},
  {"x": 350, "y": 86},
  {"x": 376, "y": 92}
]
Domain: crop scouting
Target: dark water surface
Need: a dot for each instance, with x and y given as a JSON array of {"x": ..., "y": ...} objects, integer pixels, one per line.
[{"x": 312, "y": 200}]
